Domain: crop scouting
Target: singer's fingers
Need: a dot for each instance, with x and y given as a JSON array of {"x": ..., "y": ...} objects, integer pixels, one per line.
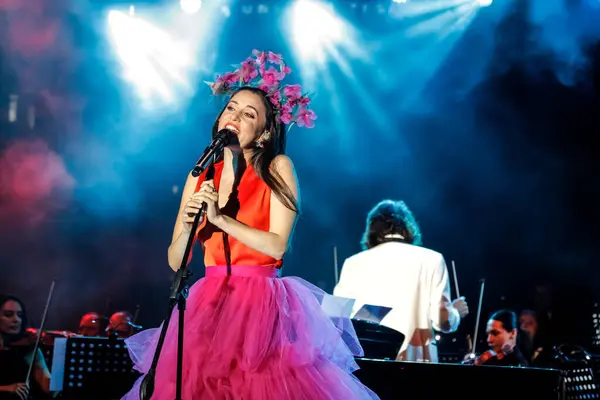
[
  {"x": 191, "y": 208},
  {"x": 209, "y": 183},
  {"x": 206, "y": 197},
  {"x": 213, "y": 196},
  {"x": 187, "y": 219},
  {"x": 190, "y": 212},
  {"x": 207, "y": 189},
  {"x": 193, "y": 202},
  {"x": 202, "y": 191}
]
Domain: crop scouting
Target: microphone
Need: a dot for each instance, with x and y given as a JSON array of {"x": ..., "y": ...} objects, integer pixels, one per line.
[{"x": 221, "y": 140}]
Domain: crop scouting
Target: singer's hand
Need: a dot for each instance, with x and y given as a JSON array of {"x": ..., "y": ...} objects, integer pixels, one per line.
[
  {"x": 210, "y": 196},
  {"x": 192, "y": 207}
]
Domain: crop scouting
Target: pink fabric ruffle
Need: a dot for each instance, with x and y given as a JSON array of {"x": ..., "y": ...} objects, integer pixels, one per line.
[{"x": 252, "y": 336}]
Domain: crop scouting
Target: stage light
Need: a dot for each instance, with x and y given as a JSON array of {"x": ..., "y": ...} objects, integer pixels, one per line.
[
  {"x": 485, "y": 3},
  {"x": 190, "y": 6}
]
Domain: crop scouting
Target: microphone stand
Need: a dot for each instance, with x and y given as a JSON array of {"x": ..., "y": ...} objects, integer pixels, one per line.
[{"x": 180, "y": 288}]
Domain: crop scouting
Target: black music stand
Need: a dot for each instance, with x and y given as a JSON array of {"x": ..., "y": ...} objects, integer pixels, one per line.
[
  {"x": 378, "y": 342},
  {"x": 91, "y": 368}
]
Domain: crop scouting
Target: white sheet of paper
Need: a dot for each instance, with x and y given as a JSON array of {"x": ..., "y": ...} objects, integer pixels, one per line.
[
  {"x": 334, "y": 306},
  {"x": 369, "y": 312},
  {"x": 58, "y": 364}
]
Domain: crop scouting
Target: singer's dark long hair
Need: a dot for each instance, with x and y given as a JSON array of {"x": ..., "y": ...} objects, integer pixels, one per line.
[
  {"x": 390, "y": 217},
  {"x": 262, "y": 157}
]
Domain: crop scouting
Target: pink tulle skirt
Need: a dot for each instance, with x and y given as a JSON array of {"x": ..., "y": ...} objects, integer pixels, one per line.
[{"x": 252, "y": 335}]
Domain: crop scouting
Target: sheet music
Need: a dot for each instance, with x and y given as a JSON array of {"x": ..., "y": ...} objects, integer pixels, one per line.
[
  {"x": 337, "y": 307},
  {"x": 371, "y": 313},
  {"x": 58, "y": 364}
]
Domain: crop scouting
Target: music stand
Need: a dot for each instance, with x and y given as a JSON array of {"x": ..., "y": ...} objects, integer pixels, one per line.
[
  {"x": 379, "y": 342},
  {"x": 91, "y": 368}
]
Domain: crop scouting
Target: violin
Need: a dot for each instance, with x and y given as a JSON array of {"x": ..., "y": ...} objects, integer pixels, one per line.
[
  {"x": 30, "y": 337},
  {"x": 483, "y": 358}
]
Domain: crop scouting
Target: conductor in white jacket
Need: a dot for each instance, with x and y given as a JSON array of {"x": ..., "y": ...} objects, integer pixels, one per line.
[{"x": 394, "y": 271}]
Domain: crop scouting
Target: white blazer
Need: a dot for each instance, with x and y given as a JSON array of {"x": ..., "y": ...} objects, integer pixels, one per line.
[{"x": 413, "y": 282}]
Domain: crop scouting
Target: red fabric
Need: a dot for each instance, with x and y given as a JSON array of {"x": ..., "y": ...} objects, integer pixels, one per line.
[{"x": 255, "y": 197}]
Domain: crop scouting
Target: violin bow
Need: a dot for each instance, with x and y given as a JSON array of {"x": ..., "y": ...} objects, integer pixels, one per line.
[
  {"x": 474, "y": 344},
  {"x": 39, "y": 333}
]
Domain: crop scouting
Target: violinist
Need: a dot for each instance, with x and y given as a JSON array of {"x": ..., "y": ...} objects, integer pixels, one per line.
[
  {"x": 16, "y": 352},
  {"x": 502, "y": 331}
]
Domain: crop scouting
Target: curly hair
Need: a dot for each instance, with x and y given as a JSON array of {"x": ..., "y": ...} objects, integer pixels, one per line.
[{"x": 389, "y": 221}]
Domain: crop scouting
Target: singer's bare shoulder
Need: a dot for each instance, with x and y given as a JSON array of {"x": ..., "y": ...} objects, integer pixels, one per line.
[{"x": 283, "y": 164}]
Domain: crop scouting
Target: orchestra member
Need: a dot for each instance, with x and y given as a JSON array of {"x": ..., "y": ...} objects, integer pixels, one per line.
[
  {"x": 395, "y": 271},
  {"x": 502, "y": 333}
]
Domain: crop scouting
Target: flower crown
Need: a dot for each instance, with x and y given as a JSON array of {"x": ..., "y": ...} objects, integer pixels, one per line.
[{"x": 265, "y": 71}]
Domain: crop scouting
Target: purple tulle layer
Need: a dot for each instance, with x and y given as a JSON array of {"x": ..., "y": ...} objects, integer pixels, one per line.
[{"x": 252, "y": 336}]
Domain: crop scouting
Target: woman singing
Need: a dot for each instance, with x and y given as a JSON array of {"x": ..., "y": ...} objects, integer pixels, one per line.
[{"x": 250, "y": 334}]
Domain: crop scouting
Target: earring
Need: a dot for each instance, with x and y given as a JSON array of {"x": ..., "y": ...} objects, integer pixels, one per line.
[{"x": 259, "y": 144}]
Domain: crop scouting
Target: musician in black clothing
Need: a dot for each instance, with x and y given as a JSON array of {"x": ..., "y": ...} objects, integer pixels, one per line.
[
  {"x": 16, "y": 352},
  {"x": 502, "y": 334}
]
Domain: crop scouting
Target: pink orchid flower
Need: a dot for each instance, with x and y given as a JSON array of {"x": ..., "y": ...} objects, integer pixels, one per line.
[
  {"x": 292, "y": 92},
  {"x": 284, "y": 71},
  {"x": 304, "y": 101},
  {"x": 275, "y": 58},
  {"x": 270, "y": 77},
  {"x": 261, "y": 56},
  {"x": 248, "y": 70},
  {"x": 286, "y": 114},
  {"x": 275, "y": 98},
  {"x": 306, "y": 118},
  {"x": 228, "y": 78},
  {"x": 286, "y": 118}
]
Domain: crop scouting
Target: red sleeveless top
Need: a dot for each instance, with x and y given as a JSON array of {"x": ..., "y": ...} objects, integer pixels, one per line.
[{"x": 250, "y": 204}]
